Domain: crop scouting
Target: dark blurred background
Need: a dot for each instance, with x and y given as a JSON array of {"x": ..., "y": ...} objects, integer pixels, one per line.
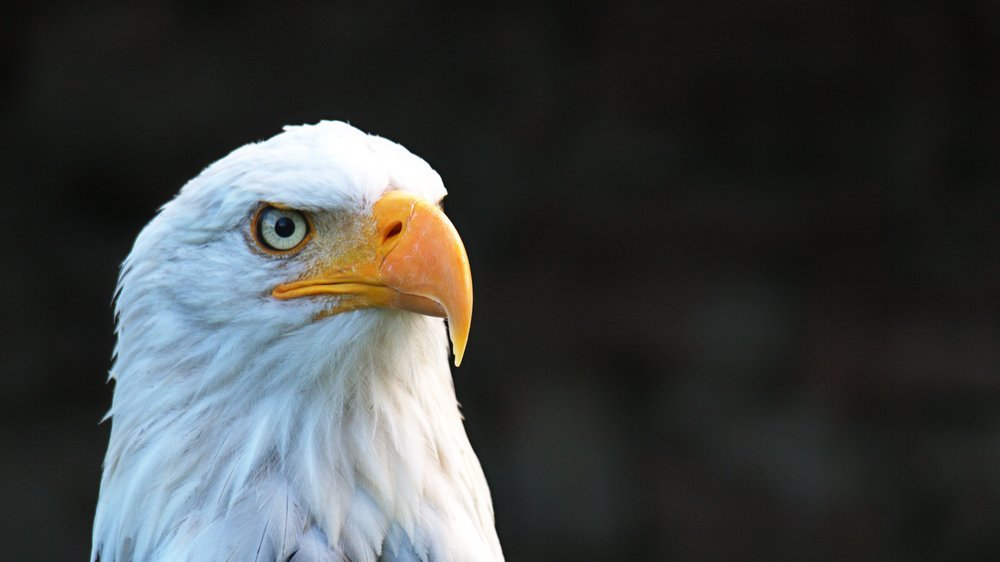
[{"x": 736, "y": 263}]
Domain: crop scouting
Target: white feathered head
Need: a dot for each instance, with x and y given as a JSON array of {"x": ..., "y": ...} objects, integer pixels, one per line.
[{"x": 281, "y": 370}]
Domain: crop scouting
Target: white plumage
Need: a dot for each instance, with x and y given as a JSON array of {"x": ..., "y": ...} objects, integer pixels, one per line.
[{"x": 250, "y": 427}]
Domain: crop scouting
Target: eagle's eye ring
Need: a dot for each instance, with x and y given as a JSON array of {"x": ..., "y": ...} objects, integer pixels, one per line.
[{"x": 280, "y": 231}]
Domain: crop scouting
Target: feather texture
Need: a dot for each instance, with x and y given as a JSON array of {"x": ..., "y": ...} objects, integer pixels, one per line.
[{"x": 243, "y": 429}]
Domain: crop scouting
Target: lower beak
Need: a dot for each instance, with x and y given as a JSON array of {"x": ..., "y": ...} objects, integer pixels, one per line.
[{"x": 414, "y": 261}]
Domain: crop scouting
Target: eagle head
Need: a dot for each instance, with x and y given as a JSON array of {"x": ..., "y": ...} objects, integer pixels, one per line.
[{"x": 282, "y": 387}]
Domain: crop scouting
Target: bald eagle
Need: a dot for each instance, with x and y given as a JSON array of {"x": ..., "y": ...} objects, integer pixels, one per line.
[{"x": 282, "y": 386}]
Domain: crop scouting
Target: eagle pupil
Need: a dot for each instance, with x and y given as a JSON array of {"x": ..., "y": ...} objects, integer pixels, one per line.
[{"x": 284, "y": 227}]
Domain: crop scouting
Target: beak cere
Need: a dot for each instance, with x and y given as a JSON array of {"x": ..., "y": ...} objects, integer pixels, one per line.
[{"x": 413, "y": 259}]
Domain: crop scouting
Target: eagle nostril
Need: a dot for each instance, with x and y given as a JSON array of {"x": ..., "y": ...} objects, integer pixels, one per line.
[{"x": 392, "y": 232}]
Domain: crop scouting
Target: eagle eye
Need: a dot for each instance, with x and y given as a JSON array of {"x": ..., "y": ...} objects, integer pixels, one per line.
[{"x": 280, "y": 230}]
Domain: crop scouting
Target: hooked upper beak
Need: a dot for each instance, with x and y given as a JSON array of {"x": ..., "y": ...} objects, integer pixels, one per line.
[{"x": 413, "y": 259}]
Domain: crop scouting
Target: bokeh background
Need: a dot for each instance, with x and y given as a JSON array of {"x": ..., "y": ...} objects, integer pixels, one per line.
[{"x": 736, "y": 262}]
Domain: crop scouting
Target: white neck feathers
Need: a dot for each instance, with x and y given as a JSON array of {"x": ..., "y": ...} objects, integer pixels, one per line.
[{"x": 353, "y": 418}]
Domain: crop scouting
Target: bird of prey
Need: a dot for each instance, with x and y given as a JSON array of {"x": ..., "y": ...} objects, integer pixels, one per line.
[{"x": 282, "y": 380}]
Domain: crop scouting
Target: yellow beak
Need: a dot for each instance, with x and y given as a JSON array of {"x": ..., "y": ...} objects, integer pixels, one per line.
[{"x": 413, "y": 259}]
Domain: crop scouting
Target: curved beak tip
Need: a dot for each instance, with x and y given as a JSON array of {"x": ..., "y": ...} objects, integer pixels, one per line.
[
  {"x": 428, "y": 260},
  {"x": 459, "y": 338}
]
